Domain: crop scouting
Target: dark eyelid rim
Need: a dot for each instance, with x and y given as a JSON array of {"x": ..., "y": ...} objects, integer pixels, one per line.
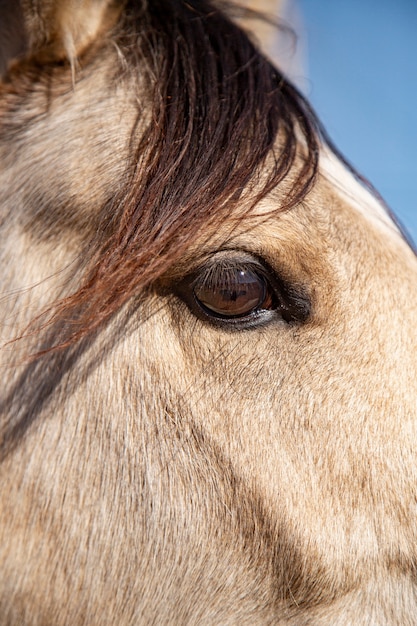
[{"x": 293, "y": 305}]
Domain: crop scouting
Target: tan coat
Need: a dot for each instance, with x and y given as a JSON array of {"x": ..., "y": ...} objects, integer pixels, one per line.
[{"x": 174, "y": 464}]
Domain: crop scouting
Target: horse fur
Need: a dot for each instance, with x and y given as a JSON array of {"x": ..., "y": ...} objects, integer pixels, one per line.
[{"x": 156, "y": 468}]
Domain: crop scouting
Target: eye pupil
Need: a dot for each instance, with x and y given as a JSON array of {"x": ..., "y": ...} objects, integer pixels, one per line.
[
  {"x": 232, "y": 292},
  {"x": 240, "y": 291}
]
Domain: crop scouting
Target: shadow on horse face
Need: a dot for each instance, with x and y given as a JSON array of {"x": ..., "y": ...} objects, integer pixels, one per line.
[{"x": 208, "y": 407}]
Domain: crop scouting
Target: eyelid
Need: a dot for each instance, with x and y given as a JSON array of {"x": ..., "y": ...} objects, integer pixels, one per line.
[{"x": 290, "y": 303}]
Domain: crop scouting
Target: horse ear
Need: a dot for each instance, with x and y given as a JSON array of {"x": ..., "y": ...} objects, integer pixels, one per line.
[
  {"x": 284, "y": 45},
  {"x": 59, "y": 29},
  {"x": 263, "y": 30}
]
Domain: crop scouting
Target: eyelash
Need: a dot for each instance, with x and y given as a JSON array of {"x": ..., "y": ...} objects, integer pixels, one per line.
[{"x": 248, "y": 290}]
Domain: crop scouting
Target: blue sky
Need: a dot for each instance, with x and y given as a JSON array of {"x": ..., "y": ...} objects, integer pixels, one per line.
[{"x": 361, "y": 60}]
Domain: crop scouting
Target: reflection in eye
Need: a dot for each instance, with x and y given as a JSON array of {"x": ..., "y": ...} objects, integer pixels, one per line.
[
  {"x": 242, "y": 292},
  {"x": 230, "y": 291}
]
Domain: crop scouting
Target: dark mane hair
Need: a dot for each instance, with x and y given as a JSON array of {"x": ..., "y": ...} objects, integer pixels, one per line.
[{"x": 217, "y": 108}]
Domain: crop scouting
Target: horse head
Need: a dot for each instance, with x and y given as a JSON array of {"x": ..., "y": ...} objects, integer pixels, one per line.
[{"x": 208, "y": 413}]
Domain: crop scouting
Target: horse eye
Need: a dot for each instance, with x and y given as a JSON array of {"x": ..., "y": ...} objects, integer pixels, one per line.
[
  {"x": 232, "y": 292},
  {"x": 242, "y": 293}
]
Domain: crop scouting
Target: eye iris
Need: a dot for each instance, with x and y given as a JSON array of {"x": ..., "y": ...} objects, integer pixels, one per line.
[{"x": 232, "y": 292}]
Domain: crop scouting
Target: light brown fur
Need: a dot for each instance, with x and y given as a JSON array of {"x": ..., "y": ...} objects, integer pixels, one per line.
[{"x": 180, "y": 473}]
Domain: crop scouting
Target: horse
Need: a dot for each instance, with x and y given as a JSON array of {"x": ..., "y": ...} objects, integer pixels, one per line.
[{"x": 208, "y": 408}]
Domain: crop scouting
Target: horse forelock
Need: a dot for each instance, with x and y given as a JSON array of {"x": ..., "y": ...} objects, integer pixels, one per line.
[{"x": 207, "y": 151}]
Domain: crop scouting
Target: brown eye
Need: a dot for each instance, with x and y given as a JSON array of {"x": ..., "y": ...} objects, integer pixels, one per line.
[
  {"x": 232, "y": 292},
  {"x": 241, "y": 292}
]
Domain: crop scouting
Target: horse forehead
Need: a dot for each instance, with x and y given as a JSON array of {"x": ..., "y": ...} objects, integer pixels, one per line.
[
  {"x": 354, "y": 193},
  {"x": 337, "y": 200}
]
